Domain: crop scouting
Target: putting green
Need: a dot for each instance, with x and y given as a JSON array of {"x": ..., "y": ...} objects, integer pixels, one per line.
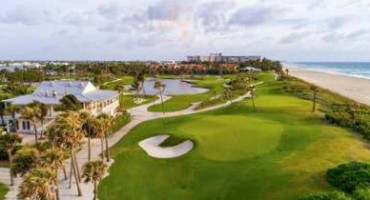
[
  {"x": 279, "y": 152},
  {"x": 235, "y": 138}
]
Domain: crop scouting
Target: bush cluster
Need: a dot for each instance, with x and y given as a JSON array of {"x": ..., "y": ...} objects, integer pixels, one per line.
[{"x": 349, "y": 177}]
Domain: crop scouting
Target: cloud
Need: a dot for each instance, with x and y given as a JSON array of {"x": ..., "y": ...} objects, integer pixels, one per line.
[
  {"x": 109, "y": 11},
  {"x": 170, "y": 10},
  {"x": 24, "y": 16},
  {"x": 294, "y": 37},
  {"x": 359, "y": 35},
  {"x": 213, "y": 16},
  {"x": 256, "y": 15}
]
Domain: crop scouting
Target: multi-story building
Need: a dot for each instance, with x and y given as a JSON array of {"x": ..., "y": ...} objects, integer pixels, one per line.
[
  {"x": 50, "y": 93},
  {"x": 218, "y": 57}
]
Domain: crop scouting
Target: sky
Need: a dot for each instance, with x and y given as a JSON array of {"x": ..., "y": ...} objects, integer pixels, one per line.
[{"x": 287, "y": 30}]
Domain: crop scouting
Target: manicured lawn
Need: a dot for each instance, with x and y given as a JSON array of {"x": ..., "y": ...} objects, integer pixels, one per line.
[
  {"x": 128, "y": 100},
  {"x": 3, "y": 191},
  {"x": 181, "y": 102},
  {"x": 281, "y": 152}
]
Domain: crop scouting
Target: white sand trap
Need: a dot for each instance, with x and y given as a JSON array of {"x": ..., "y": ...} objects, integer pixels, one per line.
[
  {"x": 139, "y": 100},
  {"x": 152, "y": 148}
]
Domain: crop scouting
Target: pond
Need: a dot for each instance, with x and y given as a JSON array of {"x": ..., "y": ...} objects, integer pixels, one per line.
[{"x": 173, "y": 87}]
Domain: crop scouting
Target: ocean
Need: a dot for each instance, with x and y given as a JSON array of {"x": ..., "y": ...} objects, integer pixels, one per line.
[{"x": 355, "y": 69}]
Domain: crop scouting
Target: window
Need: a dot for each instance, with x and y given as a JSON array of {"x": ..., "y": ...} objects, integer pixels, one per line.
[{"x": 25, "y": 125}]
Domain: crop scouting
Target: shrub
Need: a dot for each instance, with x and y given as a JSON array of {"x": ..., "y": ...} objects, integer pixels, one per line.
[
  {"x": 362, "y": 194},
  {"x": 120, "y": 122},
  {"x": 349, "y": 177},
  {"x": 327, "y": 196}
]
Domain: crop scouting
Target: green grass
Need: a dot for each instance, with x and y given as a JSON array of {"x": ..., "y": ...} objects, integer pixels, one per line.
[
  {"x": 280, "y": 152},
  {"x": 181, "y": 102},
  {"x": 3, "y": 191},
  {"x": 128, "y": 100}
]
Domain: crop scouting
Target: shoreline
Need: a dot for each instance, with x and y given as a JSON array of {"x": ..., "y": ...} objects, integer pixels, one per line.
[{"x": 355, "y": 88}]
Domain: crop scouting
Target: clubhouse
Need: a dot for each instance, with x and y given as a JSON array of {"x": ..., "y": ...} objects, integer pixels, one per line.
[{"x": 50, "y": 93}]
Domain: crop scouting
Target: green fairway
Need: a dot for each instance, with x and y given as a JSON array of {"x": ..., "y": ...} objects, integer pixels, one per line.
[
  {"x": 3, "y": 191},
  {"x": 281, "y": 151},
  {"x": 181, "y": 102}
]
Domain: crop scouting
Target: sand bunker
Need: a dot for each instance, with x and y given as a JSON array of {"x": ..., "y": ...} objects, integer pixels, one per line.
[
  {"x": 139, "y": 101},
  {"x": 152, "y": 148}
]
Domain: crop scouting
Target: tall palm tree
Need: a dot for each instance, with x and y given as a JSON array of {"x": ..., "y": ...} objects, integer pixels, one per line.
[
  {"x": 106, "y": 122},
  {"x": 2, "y": 112},
  {"x": 12, "y": 110},
  {"x": 141, "y": 79},
  {"x": 228, "y": 94},
  {"x": 251, "y": 90},
  {"x": 90, "y": 127},
  {"x": 8, "y": 142},
  {"x": 287, "y": 72},
  {"x": 29, "y": 113},
  {"x": 353, "y": 109},
  {"x": 53, "y": 158},
  {"x": 158, "y": 85},
  {"x": 38, "y": 184},
  {"x": 315, "y": 90},
  {"x": 41, "y": 115},
  {"x": 94, "y": 171},
  {"x": 67, "y": 131}
]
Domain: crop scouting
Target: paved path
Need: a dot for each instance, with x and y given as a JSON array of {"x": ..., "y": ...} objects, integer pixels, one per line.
[{"x": 139, "y": 114}]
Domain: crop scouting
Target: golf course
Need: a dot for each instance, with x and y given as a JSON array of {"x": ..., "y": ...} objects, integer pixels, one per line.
[{"x": 279, "y": 151}]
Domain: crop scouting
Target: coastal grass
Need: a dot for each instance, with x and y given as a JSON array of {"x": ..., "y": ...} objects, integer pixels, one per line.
[
  {"x": 3, "y": 191},
  {"x": 181, "y": 102},
  {"x": 281, "y": 152}
]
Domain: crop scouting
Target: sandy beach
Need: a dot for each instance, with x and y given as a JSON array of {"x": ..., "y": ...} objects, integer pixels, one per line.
[{"x": 355, "y": 88}]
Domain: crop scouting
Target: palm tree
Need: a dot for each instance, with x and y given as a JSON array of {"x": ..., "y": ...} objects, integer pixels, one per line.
[
  {"x": 94, "y": 171},
  {"x": 141, "y": 79},
  {"x": 2, "y": 112},
  {"x": 8, "y": 142},
  {"x": 315, "y": 90},
  {"x": 160, "y": 87},
  {"x": 67, "y": 132},
  {"x": 90, "y": 127},
  {"x": 251, "y": 89},
  {"x": 353, "y": 110},
  {"x": 69, "y": 103},
  {"x": 106, "y": 122},
  {"x": 24, "y": 160},
  {"x": 41, "y": 116},
  {"x": 29, "y": 113},
  {"x": 228, "y": 94},
  {"x": 287, "y": 72},
  {"x": 12, "y": 110},
  {"x": 54, "y": 158},
  {"x": 38, "y": 184}
]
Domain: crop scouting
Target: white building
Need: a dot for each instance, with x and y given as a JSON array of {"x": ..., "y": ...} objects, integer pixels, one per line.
[
  {"x": 93, "y": 100},
  {"x": 218, "y": 57}
]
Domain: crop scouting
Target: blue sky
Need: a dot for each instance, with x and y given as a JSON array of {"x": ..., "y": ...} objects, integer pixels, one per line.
[{"x": 293, "y": 30}]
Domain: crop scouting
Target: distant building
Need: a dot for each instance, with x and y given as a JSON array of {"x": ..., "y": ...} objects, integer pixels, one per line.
[
  {"x": 93, "y": 100},
  {"x": 218, "y": 57}
]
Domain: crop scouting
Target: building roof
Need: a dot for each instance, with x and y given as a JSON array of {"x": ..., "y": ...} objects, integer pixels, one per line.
[{"x": 50, "y": 92}]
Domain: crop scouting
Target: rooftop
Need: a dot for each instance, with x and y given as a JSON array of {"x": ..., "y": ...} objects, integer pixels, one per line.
[{"x": 50, "y": 92}]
